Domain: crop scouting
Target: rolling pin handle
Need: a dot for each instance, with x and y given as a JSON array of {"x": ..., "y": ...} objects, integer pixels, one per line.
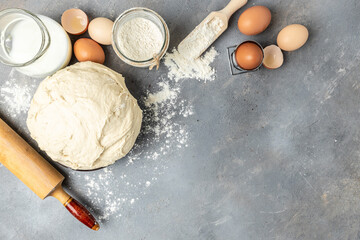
[
  {"x": 81, "y": 214},
  {"x": 75, "y": 208}
]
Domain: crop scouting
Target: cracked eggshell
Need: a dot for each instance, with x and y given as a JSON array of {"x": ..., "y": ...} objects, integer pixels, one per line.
[
  {"x": 273, "y": 57},
  {"x": 74, "y": 21}
]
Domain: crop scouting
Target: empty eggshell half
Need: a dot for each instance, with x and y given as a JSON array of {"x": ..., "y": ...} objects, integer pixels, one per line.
[
  {"x": 273, "y": 57},
  {"x": 74, "y": 21}
]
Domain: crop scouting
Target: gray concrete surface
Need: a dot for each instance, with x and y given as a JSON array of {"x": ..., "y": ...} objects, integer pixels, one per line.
[{"x": 271, "y": 155}]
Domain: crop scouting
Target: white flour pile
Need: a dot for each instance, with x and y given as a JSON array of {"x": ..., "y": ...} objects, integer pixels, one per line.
[
  {"x": 140, "y": 39},
  {"x": 183, "y": 63},
  {"x": 16, "y": 93},
  {"x": 181, "y": 67},
  {"x": 162, "y": 135}
]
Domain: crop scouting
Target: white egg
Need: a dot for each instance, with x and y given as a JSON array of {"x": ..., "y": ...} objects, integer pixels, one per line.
[
  {"x": 100, "y": 30},
  {"x": 292, "y": 37}
]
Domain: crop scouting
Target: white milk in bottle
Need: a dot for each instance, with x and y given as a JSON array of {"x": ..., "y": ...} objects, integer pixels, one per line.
[{"x": 35, "y": 45}]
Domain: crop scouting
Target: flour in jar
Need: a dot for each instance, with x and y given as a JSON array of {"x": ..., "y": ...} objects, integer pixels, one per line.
[{"x": 140, "y": 39}]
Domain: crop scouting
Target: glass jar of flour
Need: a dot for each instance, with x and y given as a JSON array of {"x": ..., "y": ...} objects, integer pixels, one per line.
[
  {"x": 35, "y": 45},
  {"x": 140, "y": 37}
]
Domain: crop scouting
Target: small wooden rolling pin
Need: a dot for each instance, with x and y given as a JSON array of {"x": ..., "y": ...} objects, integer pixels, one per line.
[{"x": 33, "y": 170}]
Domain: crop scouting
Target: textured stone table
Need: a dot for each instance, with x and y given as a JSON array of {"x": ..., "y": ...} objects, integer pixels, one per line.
[{"x": 268, "y": 155}]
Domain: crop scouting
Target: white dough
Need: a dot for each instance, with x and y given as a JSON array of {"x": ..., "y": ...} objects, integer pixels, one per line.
[{"x": 84, "y": 117}]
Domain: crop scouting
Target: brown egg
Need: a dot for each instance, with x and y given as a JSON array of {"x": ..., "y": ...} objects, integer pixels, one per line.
[
  {"x": 254, "y": 20},
  {"x": 86, "y": 49},
  {"x": 249, "y": 55},
  {"x": 74, "y": 21}
]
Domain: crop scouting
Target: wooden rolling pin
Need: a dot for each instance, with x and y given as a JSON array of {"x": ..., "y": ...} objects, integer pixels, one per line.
[{"x": 37, "y": 173}]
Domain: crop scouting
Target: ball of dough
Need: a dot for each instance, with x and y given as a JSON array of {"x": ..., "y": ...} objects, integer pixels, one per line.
[{"x": 84, "y": 117}]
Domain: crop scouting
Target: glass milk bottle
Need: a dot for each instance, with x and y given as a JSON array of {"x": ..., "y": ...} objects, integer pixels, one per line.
[{"x": 35, "y": 45}]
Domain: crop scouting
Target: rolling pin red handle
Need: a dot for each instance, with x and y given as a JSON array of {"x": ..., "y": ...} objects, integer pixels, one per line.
[
  {"x": 75, "y": 208},
  {"x": 81, "y": 214}
]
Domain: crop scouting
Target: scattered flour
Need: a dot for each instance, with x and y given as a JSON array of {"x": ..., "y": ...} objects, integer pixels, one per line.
[
  {"x": 16, "y": 94},
  {"x": 185, "y": 62},
  {"x": 162, "y": 96},
  {"x": 181, "y": 67},
  {"x": 140, "y": 39}
]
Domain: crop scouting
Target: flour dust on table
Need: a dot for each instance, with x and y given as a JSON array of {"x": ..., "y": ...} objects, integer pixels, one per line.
[
  {"x": 16, "y": 93},
  {"x": 182, "y": 67},
  {"x": 163, "y": 111}
]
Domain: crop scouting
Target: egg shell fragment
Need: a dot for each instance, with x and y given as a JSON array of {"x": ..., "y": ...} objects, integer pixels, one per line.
[
  {"x": 292, "y": 37},
  {"x": 86, "y": 49},
  {"x": 100, "y": 30},
  {"x": 273, "y": 57},
  {"x": 74, "y": 21},
  {"x": 254, "y": 20}
]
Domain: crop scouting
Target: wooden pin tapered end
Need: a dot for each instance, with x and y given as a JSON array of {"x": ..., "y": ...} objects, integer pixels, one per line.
[{"x": 96, "y": 227}]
